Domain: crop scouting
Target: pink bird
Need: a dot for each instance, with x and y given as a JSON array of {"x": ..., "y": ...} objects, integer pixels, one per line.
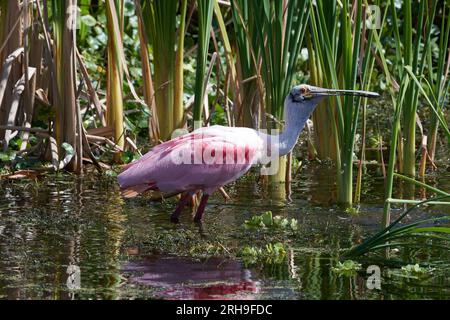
[{"x": 211, "y": 157}]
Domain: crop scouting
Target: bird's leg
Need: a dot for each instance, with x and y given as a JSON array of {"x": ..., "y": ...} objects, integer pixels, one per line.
[
  {"x": 181, "y": 204},
  {"x": 201, "y": 208}
]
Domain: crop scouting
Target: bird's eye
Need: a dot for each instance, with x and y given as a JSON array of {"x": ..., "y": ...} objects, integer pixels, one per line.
[{"x": 302, "y": 91}]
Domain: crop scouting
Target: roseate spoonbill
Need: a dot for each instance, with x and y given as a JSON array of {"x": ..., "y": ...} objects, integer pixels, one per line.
[{"x": 218, "y": 155}]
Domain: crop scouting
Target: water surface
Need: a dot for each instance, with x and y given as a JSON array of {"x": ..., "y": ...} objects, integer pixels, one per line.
[{"x": 129, "y": 249}]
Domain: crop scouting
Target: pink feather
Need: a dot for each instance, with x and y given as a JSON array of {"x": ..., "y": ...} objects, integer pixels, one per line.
[{"x": 157, "y": 169}]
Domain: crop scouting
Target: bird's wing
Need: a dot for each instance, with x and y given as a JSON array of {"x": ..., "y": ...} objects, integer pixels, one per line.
[
  {"x": 203, "y": 159},
  {"x": 159, "y": 149}
]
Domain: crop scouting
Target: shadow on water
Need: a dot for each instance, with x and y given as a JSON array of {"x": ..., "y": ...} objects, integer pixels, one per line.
[{"x": 129, "y": 249}]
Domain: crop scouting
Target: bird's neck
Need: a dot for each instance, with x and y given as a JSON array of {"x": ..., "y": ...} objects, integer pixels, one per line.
[{"x": 294, "y": 123}]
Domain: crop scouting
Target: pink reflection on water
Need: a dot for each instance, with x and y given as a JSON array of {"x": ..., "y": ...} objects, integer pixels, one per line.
[{"x": 184, "y": 278}]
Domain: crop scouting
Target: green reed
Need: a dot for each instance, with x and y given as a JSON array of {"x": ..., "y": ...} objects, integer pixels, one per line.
[{"x": 342, "y": 46}]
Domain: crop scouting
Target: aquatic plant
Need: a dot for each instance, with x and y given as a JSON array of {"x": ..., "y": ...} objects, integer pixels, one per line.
[
  {"x": 395, "y": 236},
  {"x": 268, "y": 221},
  {"x": 415, "y": 270},
  {"x": 270, "y": 254},
  {"x": 347, "y": 268}
]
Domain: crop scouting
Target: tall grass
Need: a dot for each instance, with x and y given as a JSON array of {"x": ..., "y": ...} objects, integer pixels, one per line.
[
  {"x": 439, "y": 75},
  {"x": 160, "y": 24},
  {"x": 10, "y": 40},
  {"x": 67, "y": 124},
  {"x": 205, "y": 13},
  {"x": 246, "y": 100},
  {"x": 3, "y": 10},
  {"x": 114, "y": 101},
  {"x": 323, "y": 115},
  {"x": 231, "y": 82},
  {"x": 147, "y": 80},
  {"x": 395, "y": 133},
  {"x": 408, "y": 97},
  {"x": 415, "y": 45},
  {"x": 178, "y": 115},
  {"x": 270, "y": 41},
  {"x": 341, "y": 48}
]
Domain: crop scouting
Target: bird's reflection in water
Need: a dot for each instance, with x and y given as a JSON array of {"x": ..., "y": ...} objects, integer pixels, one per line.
[{"x": 184, "y": 278}]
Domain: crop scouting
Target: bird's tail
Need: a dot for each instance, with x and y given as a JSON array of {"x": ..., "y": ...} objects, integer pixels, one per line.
[
  {"x": 133, "y": 191},
  {"x": 154, "y": 195}
]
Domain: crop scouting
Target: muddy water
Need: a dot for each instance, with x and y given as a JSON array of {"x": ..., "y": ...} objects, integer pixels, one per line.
[{"x": 129, "y": 249}]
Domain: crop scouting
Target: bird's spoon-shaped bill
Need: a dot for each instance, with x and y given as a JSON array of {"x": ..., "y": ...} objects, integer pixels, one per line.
[{"x": 315, "y": 91}]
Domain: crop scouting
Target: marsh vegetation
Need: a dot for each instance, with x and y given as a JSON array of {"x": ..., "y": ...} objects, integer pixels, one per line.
[{"x": 87, "y": 86}]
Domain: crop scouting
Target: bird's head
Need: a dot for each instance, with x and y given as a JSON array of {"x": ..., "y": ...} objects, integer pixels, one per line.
[
  {"x": 312, "y": 95},
  {"x": 303, "y": 99}
]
